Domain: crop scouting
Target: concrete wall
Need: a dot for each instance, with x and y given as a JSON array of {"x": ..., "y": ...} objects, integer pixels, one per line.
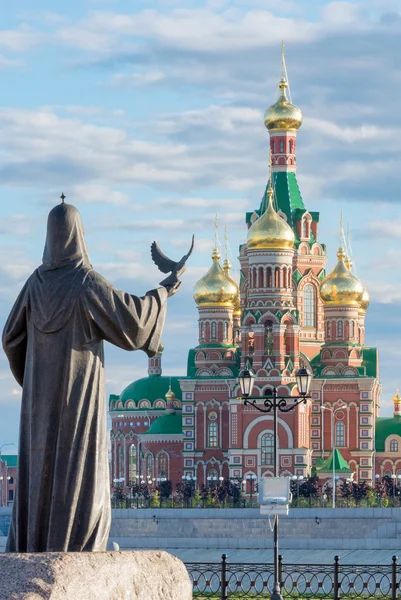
[
  {"x": 225, "y": 529},
  {"x": 338, "y": 529}
]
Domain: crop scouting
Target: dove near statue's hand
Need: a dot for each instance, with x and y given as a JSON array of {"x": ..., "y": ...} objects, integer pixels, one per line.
[{"x": 167, "y": 265}]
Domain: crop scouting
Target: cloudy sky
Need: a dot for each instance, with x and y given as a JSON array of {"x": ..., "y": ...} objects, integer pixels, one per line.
[{"x": 148, "y": 115}]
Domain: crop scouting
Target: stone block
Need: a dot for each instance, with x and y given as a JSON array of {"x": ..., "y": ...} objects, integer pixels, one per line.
[{"x": 94, "y": 576}]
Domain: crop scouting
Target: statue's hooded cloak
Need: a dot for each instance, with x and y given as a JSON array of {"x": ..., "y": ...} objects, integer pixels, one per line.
[{"x": 53, "y": 339}]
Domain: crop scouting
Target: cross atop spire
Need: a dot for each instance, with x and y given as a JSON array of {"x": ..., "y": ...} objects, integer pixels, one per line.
[{"x": 62, "y": 198}]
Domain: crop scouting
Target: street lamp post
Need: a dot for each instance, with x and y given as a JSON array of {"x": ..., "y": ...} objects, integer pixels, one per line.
[
  {"x": 251, "y": 479},
  {"x": 393, "y": 479},
  {"x": 333, "y": 412},
  {"x": 272, "y": 404}
]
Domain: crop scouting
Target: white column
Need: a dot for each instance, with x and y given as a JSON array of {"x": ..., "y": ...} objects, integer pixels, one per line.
[{"x": 204, "y": 426}]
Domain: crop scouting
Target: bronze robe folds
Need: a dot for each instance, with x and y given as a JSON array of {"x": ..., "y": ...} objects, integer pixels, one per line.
[{"x": 54, "y": 342}]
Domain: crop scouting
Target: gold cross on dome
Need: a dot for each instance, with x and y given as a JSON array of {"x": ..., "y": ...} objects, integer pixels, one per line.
[{"x": 62, "y": 198}]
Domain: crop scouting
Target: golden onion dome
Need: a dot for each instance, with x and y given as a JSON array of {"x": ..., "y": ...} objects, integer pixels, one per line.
[
  {"x": 170, "y": 396},
  {"x": 215, "y": 288},
  {"x": 270, "y": 231},
  {"x": 237, "y": 307},
  {"x": 365, "y": 300},
  {"x": 341, "y": 287},
  {"x": 397, "y": 398},
  {"x": 283, "y": 114}
]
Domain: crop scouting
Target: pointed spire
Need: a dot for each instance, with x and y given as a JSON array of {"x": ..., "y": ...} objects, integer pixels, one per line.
[
  {"x": 216, "y": 253},
  {"x": 284, "y": 74},
  {"x": 226, "y": 263}
]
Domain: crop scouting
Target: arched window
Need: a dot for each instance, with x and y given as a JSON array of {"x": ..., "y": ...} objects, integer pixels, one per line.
[
  {"x": 214, "y": 331},
  {"x": 340, "y": 329},
  {"x": 387, "y": 474},
  {"x": 281, "y": 146},
  {"x": 287, "y": 341},
  {"x": 212, "y": 435},
  {"x": 213, "y": 474},
  {"x": 149, "y": 465},
  {"x": 163, "y": 465},
  {"x": 267, "y": 449},
  {"x": 225, "y": 330},
  {"x": 251, "y": 342},
  {"x": 269, "y": 277},
  {"x": 132, "y": 462},
  {"x": 269, "y": 340},
  {"x": 305, "y": 228},
  {"x": 276, "y": 277},
  {"x": 328, "y": 330},
  {"x": 202, "y": 331},
  {"x": 11, "y": 481},
  {"x": 309, "y": 306},
  {"x": 340, "y": 434},
  {"x": 351, "y": 329},
  {"x": 394, "y": 446}
]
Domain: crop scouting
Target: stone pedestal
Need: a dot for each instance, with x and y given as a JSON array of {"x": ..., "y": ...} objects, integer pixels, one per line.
[{"x": 94, "y": 576}]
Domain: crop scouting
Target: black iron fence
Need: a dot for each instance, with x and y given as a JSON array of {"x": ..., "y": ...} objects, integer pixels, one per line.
[{"x": 223, "y": 581}]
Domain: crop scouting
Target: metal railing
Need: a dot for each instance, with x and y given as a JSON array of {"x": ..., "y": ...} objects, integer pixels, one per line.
[{"x": 223, "y": 581}]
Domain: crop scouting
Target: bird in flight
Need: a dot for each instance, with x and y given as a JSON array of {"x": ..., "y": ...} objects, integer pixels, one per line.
[{"x": 167, "y": 265}]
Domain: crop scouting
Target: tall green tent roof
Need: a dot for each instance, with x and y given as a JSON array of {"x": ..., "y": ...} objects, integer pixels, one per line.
[{"x": 340, "y": 464}]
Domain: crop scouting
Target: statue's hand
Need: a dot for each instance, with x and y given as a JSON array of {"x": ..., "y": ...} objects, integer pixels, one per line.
[{"x": 172, "y": 288}]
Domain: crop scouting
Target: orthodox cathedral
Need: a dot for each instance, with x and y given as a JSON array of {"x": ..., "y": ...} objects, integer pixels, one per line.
[{"x": 283, "y": 314}]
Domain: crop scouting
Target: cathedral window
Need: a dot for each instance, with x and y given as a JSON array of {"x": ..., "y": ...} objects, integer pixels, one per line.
[
  {"x": 149, "y": 465},
  {"x": 340, "y": 435},
  {"x": 214, "y": 331},
  {"x": 267, "y": 449},
  {"x": 276, "y": 277},
  {"x": 163, "y": 465},
  {"x": 121, "y": 461},
  {"x": 351, "y": 329},
  {"x": 393, "y": 446},
  {"x": 132, "y": 462},
  {"x": 251, "y": 342},
  {"x": 269, "y": 278},
  {"x": 212, "y": 435},
  {"x": 309, "y": 306},
  {"x": 202, "y": 332},
  {"x": 213, "y": 474},
  {"x": 281, "y": 145},
  {"x": 269, "y": 341},
  {"x": 225, "y": 330},
  {"x": 340, "y": 329}
]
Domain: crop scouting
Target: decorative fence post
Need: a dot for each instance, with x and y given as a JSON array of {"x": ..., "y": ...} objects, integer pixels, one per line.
[
  {"x": 394, "y": 582},
  {"x": 223, "y": 577},
  {"x": 280, "y": 570},
  {"x": 336, "y": 581}
]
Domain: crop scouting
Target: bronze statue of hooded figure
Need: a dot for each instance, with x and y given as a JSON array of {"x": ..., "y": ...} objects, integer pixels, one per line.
[{"x": 53, "y": 339}]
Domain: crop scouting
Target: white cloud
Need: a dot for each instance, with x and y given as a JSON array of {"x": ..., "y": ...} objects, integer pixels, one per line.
[
  {"x": 93, "y": 194},
  {"x": 21, "y": 39}
]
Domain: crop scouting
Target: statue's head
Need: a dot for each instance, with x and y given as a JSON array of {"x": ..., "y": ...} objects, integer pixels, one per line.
[{"x": 65, "y": 243}]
